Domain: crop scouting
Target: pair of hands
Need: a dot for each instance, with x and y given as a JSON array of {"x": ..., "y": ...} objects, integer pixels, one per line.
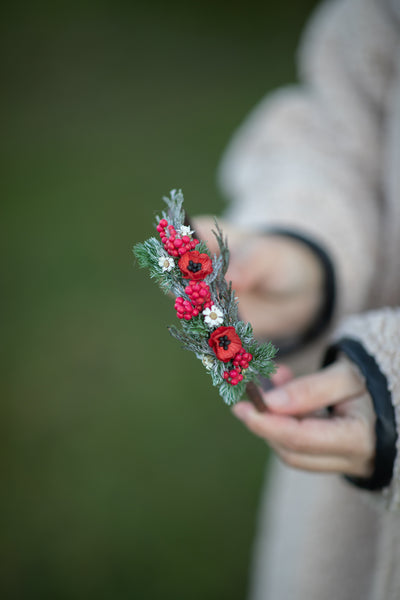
[{"x": 279, "y": 284}]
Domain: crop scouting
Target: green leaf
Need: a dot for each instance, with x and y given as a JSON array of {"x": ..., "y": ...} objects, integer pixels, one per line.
[{"x": 195, "y": 326}]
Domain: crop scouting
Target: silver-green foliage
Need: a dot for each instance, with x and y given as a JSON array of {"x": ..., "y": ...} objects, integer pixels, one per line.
[{"x": 194, "y": 334}]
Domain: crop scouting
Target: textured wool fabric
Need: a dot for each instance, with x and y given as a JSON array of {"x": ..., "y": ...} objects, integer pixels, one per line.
[
  {"x": 310, "y": 157},
  {"x": 379, "y": 332},
  {"x": 323, "y": 159}
]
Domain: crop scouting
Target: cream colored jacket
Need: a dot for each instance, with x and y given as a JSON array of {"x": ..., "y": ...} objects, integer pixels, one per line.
[{"x": 323, "y": 159}]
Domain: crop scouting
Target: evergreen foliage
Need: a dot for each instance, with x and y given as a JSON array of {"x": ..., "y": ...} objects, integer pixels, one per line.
[{"x": 194, "y": 334}]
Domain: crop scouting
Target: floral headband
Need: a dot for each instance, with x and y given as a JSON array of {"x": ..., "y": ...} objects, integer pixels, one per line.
[{"x": 205, "y": 305}]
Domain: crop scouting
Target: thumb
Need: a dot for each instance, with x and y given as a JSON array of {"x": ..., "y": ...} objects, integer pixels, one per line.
[{"x": 307, "y": 394}]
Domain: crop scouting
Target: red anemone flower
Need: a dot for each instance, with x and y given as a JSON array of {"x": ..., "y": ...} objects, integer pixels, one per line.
[
  {"x": 195, "y": 266},
  {"x": 225, "y": 342}
]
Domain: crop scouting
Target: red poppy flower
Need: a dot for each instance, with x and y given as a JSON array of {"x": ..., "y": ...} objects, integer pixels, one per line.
[
  {"x": 225, "y": 342},
  {"x": 195, "y": 266}
]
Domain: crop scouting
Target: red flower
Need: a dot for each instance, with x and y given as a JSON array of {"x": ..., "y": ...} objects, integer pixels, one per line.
[
  {"x": 225, "y": 342},
  {"x": 195, "y": 265}
]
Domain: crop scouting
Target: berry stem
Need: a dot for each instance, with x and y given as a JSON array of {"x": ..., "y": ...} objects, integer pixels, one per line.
[{"x": 254, "y": 395}]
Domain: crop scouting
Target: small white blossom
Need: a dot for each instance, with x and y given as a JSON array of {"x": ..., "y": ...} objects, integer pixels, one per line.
[
  {"x": 185, "y": 230},
  {"x": 207, "y": 361},
  {"x": 167, "y": 263},
  {"x": 213, "y": 317}
]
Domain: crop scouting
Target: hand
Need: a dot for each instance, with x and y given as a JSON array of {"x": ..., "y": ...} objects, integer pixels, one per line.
[
  {"x": 343, "y": 442},
  {"x": 278, "y": 279}
]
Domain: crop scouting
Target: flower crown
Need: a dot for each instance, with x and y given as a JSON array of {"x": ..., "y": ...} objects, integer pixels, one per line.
[{"x": 205, "y": 303}]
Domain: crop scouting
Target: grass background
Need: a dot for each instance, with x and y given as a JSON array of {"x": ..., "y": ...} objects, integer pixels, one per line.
[{"x": 122, "y": 473}]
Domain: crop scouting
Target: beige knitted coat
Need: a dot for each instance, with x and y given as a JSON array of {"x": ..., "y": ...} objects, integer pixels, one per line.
[{"x": 323, "y": 159}]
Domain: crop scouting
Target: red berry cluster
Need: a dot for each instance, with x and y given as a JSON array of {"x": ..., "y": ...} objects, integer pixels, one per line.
[
  {"x": 184, "y": 310},
  {"x": 199, "y": 294},
  {"x": 173, "y": 244},
  {"x": 242, "y": 359},
  {"x": 233, "y": 376},
  {"x": 200, "y": 298},
  {"x": 240, "y": 362}
]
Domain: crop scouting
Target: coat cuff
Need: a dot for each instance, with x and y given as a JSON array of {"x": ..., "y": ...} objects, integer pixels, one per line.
[
  {"x": 385, "y": 425},
  {"x": 324, "y": 316}
]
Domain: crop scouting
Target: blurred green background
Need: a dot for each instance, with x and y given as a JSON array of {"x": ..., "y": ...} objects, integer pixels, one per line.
[{"x": 123, "y": 475}]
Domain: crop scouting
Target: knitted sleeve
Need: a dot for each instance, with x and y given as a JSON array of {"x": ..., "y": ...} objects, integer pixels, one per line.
[
  {"x": 308, "y": 158},
  {"x": 372, "y": 341}
]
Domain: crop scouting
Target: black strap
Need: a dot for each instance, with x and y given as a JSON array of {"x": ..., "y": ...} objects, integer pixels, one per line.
[{"x": 385, "y": 426}]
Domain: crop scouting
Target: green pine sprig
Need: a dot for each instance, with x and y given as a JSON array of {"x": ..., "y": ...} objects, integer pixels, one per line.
[{"x": 194, "y": 334}]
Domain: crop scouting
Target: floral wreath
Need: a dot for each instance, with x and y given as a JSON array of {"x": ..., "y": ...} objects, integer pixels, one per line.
[{"x": 205, "y": 303}]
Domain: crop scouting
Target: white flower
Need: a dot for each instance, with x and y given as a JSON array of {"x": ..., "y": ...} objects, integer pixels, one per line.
[
  {"x": 207, "y": 361},
  {"x": 213, "y": 316},
  {"x": 185, "y": 230},
  {"x": 166, "y": 262}
]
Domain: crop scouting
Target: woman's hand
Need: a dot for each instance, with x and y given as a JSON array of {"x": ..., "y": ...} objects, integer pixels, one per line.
[
  {"x": 278, "y": 279},
  {"x": 342, "y": 442}
]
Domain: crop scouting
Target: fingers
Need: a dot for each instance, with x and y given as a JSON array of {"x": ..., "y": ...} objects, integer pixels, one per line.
[
  {"x": 250, "y": 265},
  {"x": 313, "y": 436},
  {"x": 204, "y": 225},
  {"x": 257, "y": 264},
  {"x": 312, "y": 392},
  {"x": 271, "y": 276},
  {"x": 274, "y": 316},
  {"x": 275, "y": 264},
  {"x": 316, "y": 463},
  {"x": 343, "y": 445},
  {"x": 325, "y": 464},
  {"x": 282, "y": 375}
]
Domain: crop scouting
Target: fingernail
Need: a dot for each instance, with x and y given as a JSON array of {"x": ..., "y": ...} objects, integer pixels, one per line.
[{"x": 276, "y": 398}]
